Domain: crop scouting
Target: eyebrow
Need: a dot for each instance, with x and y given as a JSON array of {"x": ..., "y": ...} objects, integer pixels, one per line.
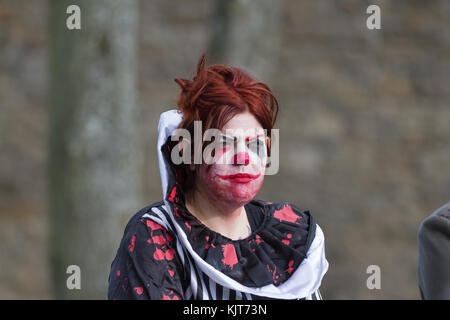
[
  {"x": 232, "y": 139},
  {"x": 227, "y": 138}
]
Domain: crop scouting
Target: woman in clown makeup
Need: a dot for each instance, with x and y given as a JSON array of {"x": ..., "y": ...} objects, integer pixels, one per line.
[{"x": 210, "y": 238}]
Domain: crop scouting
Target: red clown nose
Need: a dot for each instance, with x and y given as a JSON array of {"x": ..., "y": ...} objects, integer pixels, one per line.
[{"x": 241, "y": 158}]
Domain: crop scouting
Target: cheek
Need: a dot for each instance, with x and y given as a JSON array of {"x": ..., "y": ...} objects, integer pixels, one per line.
[
  {"x": 208, "y": 177},
  {"x": 220, "y": 153}
]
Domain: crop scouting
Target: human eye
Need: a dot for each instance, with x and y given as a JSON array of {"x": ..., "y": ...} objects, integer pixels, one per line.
[
  {"x": 257, "y": 146},
  {"x": 227, "y": 141}
]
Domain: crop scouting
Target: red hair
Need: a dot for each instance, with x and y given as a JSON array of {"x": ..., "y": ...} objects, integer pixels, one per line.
[{"x": 217, "y": 93}]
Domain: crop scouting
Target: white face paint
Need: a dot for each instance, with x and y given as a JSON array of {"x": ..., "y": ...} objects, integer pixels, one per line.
[{"x": 240, "y": 160}]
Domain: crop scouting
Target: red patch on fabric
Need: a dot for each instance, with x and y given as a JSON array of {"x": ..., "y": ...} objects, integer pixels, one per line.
[
  {"x": 188, "y": 226},
  {"x": 166, "y": 297},
  {"x": 229, "y": 255},
  {"x": 286, "y": 214},
  {"x": 170, "y": 254},
  {"x": 118, "y": 273},
  {"x": 159, "y": 254},
  {"x": 139, "y": 290},
  {"x": 287, "y": 241},
  {"x": 159, "y": 239},
  {"x": 153, "y": 225},
  {"x": 207, "y": 243},
  {"x": 290, "y": 264},
  {"x": 258, "y": 239},
  {"x": 175, "y": 210},
  {"x": 131, "y": 245},
  {"x": 274, "y": 273},
  {"x": 173, "y": 193},
  {"x": 169, "y": 237},
  {"x": 171, "y": 272}
]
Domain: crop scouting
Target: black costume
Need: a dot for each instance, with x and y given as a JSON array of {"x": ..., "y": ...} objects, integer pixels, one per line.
[{"x": 167, "y": 253}]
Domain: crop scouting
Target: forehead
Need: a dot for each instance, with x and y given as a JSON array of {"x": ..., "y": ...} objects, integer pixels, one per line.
[{"x": 243, "y": 122}]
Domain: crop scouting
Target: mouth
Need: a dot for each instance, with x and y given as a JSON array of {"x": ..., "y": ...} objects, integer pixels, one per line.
[{"x": 240, "y": 177}]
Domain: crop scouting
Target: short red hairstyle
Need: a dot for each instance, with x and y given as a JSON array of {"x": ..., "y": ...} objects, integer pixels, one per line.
[{"x": 216, "y": 94}]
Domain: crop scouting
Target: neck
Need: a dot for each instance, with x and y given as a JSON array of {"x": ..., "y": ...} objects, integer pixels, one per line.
[{"x": 223, "y": 217}]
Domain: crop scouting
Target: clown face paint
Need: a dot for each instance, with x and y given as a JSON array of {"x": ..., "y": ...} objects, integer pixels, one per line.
[{"x": 237, "y": 173}]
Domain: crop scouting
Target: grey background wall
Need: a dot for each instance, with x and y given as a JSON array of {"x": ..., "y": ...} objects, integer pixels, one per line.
[{"x": 364, "y": 126}]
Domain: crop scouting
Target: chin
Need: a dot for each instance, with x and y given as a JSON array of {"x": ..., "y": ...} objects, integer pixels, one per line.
[
  {"x": 239, "y": 202},
  {"x": 233, "y": 196},
  {"x": 242, "y": 196},
  {"x": 236, "y": 194}
]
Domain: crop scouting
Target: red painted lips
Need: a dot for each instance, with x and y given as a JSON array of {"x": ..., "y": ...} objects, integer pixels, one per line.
[{"x": 240, "y": 177}]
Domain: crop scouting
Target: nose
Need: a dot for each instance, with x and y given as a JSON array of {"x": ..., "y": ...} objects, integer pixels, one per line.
[{"x": 241, "y": 158}]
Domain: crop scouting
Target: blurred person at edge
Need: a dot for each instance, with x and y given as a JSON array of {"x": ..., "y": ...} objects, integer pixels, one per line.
[
  {"x": 209, "y": 238},
  {"x": 434, "y": 255}
]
